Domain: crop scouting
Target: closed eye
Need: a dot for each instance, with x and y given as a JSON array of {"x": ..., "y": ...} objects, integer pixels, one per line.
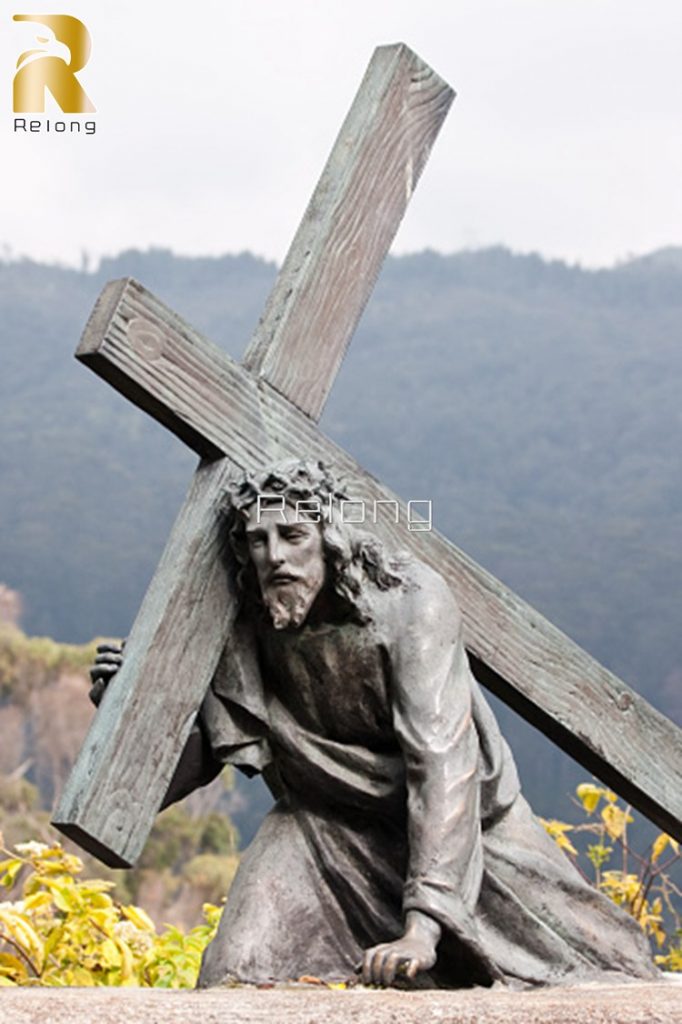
[
  {"x": 294, "y": 535},
  {"x": 255, "y": 538}
]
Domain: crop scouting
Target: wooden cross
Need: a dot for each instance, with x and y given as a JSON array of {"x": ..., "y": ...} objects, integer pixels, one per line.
[{"x": 266, "y": 409}]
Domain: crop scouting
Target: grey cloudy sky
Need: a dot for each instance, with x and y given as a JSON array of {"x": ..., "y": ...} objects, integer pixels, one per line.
[{"x": 214, "y": 119}]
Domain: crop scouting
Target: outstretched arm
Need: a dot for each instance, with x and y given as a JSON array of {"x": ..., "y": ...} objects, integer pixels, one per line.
[{"x": 434, "y": 725}]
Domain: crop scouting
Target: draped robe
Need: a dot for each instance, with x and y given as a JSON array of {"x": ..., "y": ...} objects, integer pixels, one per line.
[{"x": 396, "y": 792}]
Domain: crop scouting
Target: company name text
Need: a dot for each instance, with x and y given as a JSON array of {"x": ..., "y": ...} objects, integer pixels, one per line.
[
  {"x": 23, "y": 124},
  {"x": 351, "y": 510}
]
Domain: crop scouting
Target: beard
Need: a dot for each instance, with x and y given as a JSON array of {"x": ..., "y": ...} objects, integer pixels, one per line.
[{"x": 289, "y": 603}]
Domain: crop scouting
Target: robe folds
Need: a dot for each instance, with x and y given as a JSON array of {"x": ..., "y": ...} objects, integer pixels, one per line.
[{"x": 396, "y": 792}]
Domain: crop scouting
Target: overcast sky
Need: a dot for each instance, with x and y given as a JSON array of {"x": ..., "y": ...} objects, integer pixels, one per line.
[{"x": 214, "y": 120}]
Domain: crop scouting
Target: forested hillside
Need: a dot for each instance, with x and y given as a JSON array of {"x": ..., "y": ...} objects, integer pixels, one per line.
[{"x": 536, "y": 404}]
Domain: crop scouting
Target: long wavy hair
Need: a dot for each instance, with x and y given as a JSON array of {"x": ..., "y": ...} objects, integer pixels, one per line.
[{"x": 353, "y": 558}]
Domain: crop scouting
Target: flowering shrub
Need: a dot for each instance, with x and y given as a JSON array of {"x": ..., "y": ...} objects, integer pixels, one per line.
[
  {"x": 65, "y": 931},
  {"x": 641, "y": 885}
]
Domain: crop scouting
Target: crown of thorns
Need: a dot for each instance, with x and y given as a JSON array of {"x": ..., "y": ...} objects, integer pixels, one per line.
[{"x": 296, "y": 479}]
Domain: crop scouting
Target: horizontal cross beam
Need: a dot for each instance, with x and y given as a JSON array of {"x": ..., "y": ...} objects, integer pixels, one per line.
[{"x": 516, "y": 652}]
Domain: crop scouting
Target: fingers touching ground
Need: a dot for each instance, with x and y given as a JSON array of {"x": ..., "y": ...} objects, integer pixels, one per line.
[{"x": 383, "y": 964}]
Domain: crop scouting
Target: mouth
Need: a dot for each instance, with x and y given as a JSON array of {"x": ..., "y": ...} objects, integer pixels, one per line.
[{"x": 279, "y": 578}]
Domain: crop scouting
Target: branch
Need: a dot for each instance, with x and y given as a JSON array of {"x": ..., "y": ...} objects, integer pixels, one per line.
[{"x": 22, "y": 953}]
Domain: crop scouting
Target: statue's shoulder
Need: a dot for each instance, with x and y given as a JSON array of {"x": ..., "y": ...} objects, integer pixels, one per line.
[{"x": 423, "y": 596}]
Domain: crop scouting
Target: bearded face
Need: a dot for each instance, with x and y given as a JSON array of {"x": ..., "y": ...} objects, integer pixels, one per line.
[{"x": 286, "y": 551}]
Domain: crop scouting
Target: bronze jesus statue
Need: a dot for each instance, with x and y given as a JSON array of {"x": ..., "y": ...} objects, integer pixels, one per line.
[{"x": 399, "y": 844}]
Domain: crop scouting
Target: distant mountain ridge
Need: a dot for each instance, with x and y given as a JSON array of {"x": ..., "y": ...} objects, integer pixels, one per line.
[{"x": 536, "y": 404}]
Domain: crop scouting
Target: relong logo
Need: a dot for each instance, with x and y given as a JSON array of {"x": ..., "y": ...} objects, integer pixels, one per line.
[{"x": 53, "y": 66}]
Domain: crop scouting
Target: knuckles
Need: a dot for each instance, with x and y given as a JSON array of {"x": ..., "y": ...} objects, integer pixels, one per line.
[
  {"x": 382, "y": 964},
  {"x": 107, "y": 662}
]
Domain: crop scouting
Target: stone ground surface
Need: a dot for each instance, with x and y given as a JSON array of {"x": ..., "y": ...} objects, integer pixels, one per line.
[{"x": 591, "y": 1004}]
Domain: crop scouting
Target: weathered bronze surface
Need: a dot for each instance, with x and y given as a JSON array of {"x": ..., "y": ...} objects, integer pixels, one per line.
[{"x": 400, "y": 842}]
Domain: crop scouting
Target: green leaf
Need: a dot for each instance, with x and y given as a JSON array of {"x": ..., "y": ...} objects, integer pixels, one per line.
[
  {"x": 589, "y": 795},
  {"x": 11, "y": 869},
  {"x": 616, "y": 820}
]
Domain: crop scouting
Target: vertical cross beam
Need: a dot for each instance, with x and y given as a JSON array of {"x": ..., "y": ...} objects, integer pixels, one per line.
[
  {"x": 135, "y": 741},
  {"x": 351, "y": 220}
]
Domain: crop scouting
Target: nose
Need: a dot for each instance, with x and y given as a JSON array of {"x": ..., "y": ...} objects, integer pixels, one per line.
[{"x": 275, "y": 555}]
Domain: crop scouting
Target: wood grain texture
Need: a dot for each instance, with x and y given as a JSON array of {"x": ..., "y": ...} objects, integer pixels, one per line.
[
  {"x": 132, "y": 748},
  {"x": 348, "y": 227},
  {"x": 516, "y": 652}
]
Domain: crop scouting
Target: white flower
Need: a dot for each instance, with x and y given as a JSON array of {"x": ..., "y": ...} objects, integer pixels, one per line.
[{"x": 31, "y": 848}]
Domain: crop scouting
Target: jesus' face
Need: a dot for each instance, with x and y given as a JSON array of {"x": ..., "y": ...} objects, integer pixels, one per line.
[{"x": 287, "y": 555}]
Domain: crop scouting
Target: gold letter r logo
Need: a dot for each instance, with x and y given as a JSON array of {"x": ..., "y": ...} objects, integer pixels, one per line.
[{"x": 43, "y": 69}]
